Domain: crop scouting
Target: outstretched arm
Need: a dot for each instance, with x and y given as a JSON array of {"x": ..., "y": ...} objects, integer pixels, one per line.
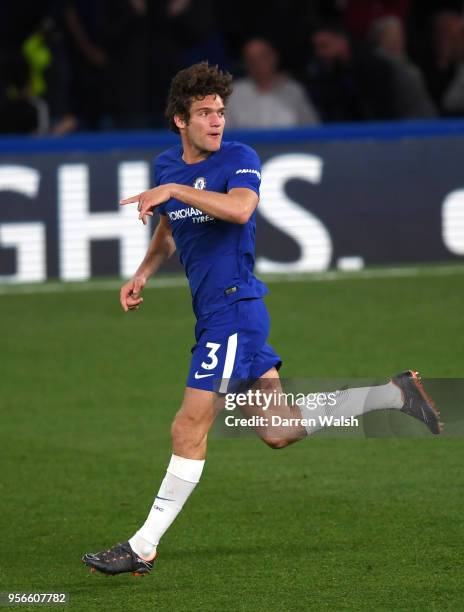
[
  {"x": 236, "y": 206},
  {"x": 160, "y": 249}
]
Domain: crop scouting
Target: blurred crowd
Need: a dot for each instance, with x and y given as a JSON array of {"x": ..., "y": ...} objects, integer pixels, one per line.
[{"x": 68, "y": 65}]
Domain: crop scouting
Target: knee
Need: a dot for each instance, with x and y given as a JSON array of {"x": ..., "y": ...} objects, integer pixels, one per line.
[
  {"x": 180, "y": 429},
  {"x": 186, "y": 430},
  {"x": 275, "y": 443},
  {"x": 176, "y": 430}
]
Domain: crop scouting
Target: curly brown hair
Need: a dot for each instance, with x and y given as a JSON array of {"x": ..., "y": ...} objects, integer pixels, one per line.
[{"x": 195, "y": 83}]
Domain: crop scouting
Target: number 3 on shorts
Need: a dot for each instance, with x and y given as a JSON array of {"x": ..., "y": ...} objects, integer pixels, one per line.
[{"x": 211, "y": 355}]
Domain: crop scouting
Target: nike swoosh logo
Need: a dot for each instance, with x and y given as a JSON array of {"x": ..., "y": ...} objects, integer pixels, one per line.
[{"x": 197, "y": 376}]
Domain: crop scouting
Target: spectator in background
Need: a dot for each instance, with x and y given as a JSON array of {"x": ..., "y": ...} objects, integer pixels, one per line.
[
  {"x": 47, "y": 54},
  {"x": 411, "y": 97},
  {"x": 183, "y": 32},
  {"x": 33, "y": 55},
  {"x": 110, "y": 44},
  {"x": 127, "y": 45},
  {"x": 359, "y": 15},
  {"x": 442, "y": 69},
  {"x": 85, "y": 21},
  {"x": 267, "y": 97},
  {"x": 453, "y": 98},
  {"x": 21, "y": 112},
  {"x": 346, "y": 83},
  {"x": 193, "y": 24}
]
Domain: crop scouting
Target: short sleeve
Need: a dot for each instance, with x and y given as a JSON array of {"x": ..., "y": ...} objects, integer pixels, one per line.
[
  {"x": 162, "y": 208},
  {"x": 244, "y": 170}
]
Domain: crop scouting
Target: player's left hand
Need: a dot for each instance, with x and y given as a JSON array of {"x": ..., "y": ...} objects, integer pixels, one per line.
[{"x": 148, "y": 200}]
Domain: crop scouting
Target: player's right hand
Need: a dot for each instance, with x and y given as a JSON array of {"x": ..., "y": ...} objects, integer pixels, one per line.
[{"x": 129, "y": 296}]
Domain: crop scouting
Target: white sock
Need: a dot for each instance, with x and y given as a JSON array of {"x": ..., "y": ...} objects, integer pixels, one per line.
[
  {"x": 181, "y": 478},
  {"x": 355, "y": 402}
]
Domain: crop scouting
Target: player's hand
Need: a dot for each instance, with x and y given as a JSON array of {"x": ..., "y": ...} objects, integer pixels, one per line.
[
  {"x": 148, "y": 200},
  {"x": 129, "y": 296}
]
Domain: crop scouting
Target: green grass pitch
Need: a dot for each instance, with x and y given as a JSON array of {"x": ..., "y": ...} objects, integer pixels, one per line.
[{"x": 87, "y": 396}]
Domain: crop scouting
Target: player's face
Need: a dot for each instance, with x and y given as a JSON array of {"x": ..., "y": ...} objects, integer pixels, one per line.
[{"x": 206, "y": 124}]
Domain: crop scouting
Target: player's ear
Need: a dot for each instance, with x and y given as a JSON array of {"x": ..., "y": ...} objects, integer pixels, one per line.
[{"x": 180, "y": 122}]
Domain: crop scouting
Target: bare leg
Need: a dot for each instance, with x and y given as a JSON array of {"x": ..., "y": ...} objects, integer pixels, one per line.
[
  {"x": 277, "y": 436},
  {"x": 189, "y": 440},
  {"x": 192, "y": 423}
]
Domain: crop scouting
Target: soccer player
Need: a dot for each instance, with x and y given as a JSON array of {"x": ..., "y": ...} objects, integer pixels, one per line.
[{"x": 206, "y": 192}]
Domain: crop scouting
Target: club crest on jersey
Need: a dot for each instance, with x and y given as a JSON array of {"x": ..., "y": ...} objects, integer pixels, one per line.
[{"x": 200, "y": 182}]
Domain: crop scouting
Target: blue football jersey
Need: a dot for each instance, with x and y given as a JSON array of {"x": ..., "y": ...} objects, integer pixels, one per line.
[{"x": 218, "y": 256}]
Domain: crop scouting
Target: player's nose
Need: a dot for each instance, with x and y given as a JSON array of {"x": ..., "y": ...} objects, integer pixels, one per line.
[{"x": 215, "y": 120}]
